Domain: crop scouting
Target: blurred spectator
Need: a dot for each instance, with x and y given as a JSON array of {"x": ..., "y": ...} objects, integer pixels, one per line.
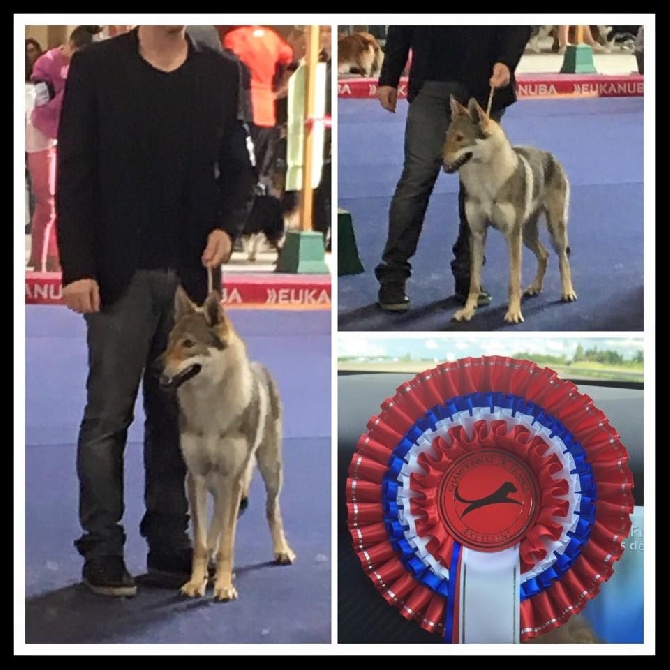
[
  {"x": 48, "y": 78},
  {"x": 322, "y": 194},
  {"x": 587, "y": 36},
  {"x": 269, "y": 60},
  {"x": 639, "y": 49},
  {"x": 33, "y": 52},
  {"x": 205, "y": 36}
]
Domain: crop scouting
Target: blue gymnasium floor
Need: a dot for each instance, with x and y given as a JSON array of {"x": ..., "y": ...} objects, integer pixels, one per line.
[
  {"x": 276, "y": 604},
  {"x": 600, "y": 142}
]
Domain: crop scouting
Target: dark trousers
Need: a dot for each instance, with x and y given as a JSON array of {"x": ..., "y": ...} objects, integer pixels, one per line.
[
  {"x": 124, "y": 342},
  {"x": 428, "y": 118},
  {"x": 266, "y": 141}
]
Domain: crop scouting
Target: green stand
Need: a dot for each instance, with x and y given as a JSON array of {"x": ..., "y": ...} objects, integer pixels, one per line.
[
  {"x": 303, "y": 253},
  {"x": 348, "y": 261},
  {"x": 578, "y": 59}
]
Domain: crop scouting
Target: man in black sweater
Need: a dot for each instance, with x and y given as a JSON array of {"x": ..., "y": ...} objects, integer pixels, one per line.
[
  {"x": 155, "y": 180},
  {"x": 464, "y": 61}
]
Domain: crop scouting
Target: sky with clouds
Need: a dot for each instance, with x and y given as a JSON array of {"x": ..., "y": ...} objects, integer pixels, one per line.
[{"x": 450, "y": 347}]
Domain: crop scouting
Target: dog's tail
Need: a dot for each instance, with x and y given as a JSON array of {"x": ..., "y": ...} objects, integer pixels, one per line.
[{"x": 275, "y": 400}]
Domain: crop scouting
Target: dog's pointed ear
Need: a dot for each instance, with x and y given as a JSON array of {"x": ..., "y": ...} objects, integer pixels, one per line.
[
  {"x": 456, "y": 107},
  {"x": 213, "y": 308},
  {"x": 477, "y": 114},
  {"x": 182, "y": 303}
]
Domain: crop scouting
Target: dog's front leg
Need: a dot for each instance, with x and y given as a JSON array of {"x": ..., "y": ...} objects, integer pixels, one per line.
[
  {"x": 477, "y": 241},
  {"x": 225, "y": 508},
  {"x": 514, "y": 243},
  {"x": 197, "y": 496}
]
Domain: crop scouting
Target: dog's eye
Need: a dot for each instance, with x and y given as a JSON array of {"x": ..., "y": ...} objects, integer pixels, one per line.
[
  {"x": 188, "y": 342},
  {"x": 459, "y": 137}
]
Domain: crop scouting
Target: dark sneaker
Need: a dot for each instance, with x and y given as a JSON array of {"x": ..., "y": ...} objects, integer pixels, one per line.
[
  {"x": 392, "y": 297},
  {"x": 483, "y": 300},
  {"x": 170, "y": 568},
  {"x": 108, "y": 576}
]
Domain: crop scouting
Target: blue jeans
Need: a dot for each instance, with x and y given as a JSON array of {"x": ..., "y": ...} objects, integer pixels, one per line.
[{"x": 124, "y": 341}]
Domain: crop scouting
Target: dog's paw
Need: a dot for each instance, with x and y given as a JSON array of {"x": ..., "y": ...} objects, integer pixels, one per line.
[
  {"x": 569, "y": 296},
  {"x": 533, "y": 290},
  {"x": 514, "y": 316},
  {"x": 225, "y": 592},
  {"x": 464, "y": 314},
  {"x": 285, "y": 557},
  {"x": 194, "y": 589}
]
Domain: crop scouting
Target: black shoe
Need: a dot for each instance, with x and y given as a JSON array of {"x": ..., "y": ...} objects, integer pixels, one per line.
[
  {"x": 170, "y": 569},
  {"x": 108, "y": 576},
  {"x": 392, "y": 297},
  {"x": 483, "y": 300}
]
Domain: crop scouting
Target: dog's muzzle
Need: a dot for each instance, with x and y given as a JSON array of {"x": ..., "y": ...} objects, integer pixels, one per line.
[
  {"x": 170, "y": 383},
  {"x": 450, "y": 168}
]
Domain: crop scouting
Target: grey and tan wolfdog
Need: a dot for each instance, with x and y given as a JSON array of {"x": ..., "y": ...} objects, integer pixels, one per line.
[
  {"x": 508, "y": 188},
  {"x": 230, "y": 421}
]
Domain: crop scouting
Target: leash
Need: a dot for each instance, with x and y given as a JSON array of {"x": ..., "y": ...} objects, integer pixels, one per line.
[
  {"x": 488, "y": 106},
  {"x": 210, "y": 281}
]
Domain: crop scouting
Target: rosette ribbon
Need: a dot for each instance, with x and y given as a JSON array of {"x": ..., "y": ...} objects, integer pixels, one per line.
[{"x": 488, "y": 500}]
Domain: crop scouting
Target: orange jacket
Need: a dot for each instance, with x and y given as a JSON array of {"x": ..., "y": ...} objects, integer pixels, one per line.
[{"x": 263, "y": 51}]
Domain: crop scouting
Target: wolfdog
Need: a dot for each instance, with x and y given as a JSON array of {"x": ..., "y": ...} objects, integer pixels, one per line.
[
  {"x": 230, "y": 421},
  {"x": 508, "y": 188}
]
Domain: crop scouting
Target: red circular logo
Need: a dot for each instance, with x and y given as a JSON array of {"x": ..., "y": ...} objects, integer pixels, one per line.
[{"x": 488, "y": 499}]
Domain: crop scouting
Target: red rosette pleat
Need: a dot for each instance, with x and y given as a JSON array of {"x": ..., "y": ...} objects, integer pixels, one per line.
[
  {"x": 388, "y": 572},
  {"x": 416, "y": 602},
  {"x": 468, "y": 372},
  {"x": 520, "y": 377},
  {"x": 427, "y": 517},
  {"x": 368, "y": 536},
  {"x": 364, "y": 513},
  {"x": 360, "y": 491},
  {"x": 377, "y": 451},
  {"x": 441, "y": 545},
  {"x": 383, "y": 432},
  {"x": 376, "y": 555},
  {"x": 557, "y": 396},
  {"x": 541, "y": 385},
  {"x": 400, "y": 589},
  {"x": 433, "y": 618},
  {"x": 429, "y": 391},
  {"x": 606, "y": 541},
  {"x": 362, "y": 467},
  {"x": 410, "y": 399},
  {"x": 493, "y": 372}
]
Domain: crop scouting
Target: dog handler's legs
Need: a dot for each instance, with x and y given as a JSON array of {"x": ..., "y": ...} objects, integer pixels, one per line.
[
  {"x": 427, "y": 120},
  {"x": 165, "y": 522},
  {"x": 118, "y": 341}
]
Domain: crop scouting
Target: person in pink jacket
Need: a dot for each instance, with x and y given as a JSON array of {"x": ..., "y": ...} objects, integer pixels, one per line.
[{"x": 48, "y": 83}]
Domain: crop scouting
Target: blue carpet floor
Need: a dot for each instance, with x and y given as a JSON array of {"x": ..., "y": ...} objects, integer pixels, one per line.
[
  {"x": 600, "y": 142},
  {"x": 277, "y": 604}
]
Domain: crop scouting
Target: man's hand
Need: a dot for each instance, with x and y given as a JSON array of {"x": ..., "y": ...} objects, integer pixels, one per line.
[
  {"x": 501, "y": 76},
  {"x": 388, "y": 97},
  {"x": 82, "y": 296},
  {"x": 219, "y": 249}
]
